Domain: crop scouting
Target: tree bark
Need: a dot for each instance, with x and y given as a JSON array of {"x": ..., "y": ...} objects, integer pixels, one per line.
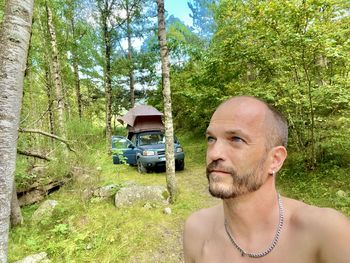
[
  {"x": 105, "y": 13},
  {"x": 49, "y": 99},
  {"x": 16, "y": 217},
  {"x": 169, "y": 131},
  {"x": 131, "y": 69},
  {"x": 75, "y": 64},
  {"x": 56, "y": 71},
  {"x": 14, "y": 43}
]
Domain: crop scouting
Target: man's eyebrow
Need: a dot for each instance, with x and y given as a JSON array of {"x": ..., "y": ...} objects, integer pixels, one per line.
[
  {"x": 235, "y": 131},
  {"x": 231, "y": 132},
  {"x": 238, "y": 132}
]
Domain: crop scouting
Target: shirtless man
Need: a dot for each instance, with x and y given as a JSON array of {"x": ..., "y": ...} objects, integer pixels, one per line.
[{"x": 247, "y": 142}]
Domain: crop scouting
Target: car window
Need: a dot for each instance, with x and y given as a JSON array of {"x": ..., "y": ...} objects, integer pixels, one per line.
[
  {"x": 120, "y": 143},
  {"x": 149, "y": 139}
]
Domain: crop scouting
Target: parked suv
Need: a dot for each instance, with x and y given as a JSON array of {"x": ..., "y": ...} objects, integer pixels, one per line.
[{"x": 146, "y": 150}]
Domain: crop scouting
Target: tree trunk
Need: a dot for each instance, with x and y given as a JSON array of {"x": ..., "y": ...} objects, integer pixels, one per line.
[
  {"x": 14, "y": 42},
  {"x": 131, "y": 69},
  {"x": 169, "y": 131},
  {"x": 56, "y": 72},
  {"x": 76, "y": 68},
  {"x": 312, "y": 160},
  {"x": 77, "y": 86},
  {"x": 49, "y": 99},
  {"x": 107, "y": 72},
  {"x": 16, "y": 215}
]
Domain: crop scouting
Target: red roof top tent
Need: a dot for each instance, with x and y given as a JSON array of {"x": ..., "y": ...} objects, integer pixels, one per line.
[{"x": 142, "y": 118}]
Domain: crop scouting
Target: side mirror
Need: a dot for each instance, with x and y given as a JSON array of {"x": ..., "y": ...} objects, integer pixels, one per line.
[{"x": 131, "y": 146}]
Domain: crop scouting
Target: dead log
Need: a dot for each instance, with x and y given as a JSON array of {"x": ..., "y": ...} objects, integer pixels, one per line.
[{"x": 37, "y": 192}]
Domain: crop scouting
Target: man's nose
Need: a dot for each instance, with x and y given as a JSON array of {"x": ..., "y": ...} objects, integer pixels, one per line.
[{"x": 216, "y": 151}]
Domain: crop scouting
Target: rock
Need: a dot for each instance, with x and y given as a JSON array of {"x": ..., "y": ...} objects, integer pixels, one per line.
[
  {"x": 129, "y": 183},
  {"x": 147, "y": 206},
  {"x": 86, "y": 194},
  {"x": 31, "y": 197},
  {"x": 130, "y": 195},
  {"x": 167, "y": 210},
  {"x": 44, "y": 210},
  {"x": 38, "y": 170},
  {"x": 105, "y": 191},
  {"x": 341, "y": 193},
  {"x": 36, "y": 258}
]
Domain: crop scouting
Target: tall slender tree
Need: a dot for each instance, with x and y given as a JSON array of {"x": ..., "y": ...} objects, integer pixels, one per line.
[
  {"x": 75, "y": 61},
  {"x": 133, "y": 21},
  {"x": 106, "y": 8},
  {"x": 56, "y": 74},
  {"x": 169, "y": 130},
  {"x": 14, "y": 43}
]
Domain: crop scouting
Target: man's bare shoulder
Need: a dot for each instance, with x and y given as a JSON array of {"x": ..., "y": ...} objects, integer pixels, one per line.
[
  {"x": 328, "y": 229},
  {"x": 201, "y": 219},
  {"x": 198, "y": 228},
  {"x": 313, "y": 217}
]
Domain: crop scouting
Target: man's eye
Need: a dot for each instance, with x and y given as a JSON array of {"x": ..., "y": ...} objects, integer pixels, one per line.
[
  {"x": 210, "y": 139},
  {"x": 237, "y": 139}
]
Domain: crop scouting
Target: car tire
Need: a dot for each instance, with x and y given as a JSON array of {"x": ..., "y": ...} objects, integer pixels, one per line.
[
  {"x": 140, "y": 167},
  {"x": 180, "y": 166}
]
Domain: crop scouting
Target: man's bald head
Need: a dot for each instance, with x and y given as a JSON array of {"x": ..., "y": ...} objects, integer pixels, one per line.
[{"x": 275, "y": 124}]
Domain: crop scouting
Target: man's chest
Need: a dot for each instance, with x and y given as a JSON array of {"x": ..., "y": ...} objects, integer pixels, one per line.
[{"x": 289, "y": 249}]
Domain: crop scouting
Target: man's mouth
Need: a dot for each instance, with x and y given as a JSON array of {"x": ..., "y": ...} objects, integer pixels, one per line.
[{"x": 219, "y": 172}]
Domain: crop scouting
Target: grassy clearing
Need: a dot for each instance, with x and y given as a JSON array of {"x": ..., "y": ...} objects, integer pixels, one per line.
[{"x": 95, "y": 231}]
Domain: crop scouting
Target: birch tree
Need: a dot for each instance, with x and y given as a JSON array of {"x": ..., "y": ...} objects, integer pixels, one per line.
[
  {"x": 168, "y": 122},
  {"x": 14, "y": 42},
  {"x": 56, "y": 74}
]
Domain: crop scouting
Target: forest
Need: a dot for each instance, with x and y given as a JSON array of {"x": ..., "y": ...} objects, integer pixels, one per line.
[{"x": 90, "y": 61}]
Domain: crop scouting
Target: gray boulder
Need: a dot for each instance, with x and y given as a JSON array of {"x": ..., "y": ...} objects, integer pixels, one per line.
[
  {"x": 36, "y": 258},
  {"x": 45, "y": 210},
  {"x": 105, "y": 191},
  {"x": 145, "y": 194}
]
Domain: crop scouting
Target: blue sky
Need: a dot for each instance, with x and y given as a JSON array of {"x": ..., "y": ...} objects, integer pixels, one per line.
[{"x": 179, "y": 8}]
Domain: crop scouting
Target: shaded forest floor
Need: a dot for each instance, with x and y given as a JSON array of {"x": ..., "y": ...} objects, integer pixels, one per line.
[{"x": 95, "y": 231}]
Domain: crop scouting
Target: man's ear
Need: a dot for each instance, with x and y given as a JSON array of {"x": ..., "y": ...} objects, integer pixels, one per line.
[{"x": 277, "y": 156}]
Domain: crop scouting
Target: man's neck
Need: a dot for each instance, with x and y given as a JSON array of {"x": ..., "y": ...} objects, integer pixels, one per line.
[{"x": 253, "y": 214}]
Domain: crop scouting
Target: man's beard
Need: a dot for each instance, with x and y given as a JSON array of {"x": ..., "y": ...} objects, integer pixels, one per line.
[{"x": 245, "y": 183}]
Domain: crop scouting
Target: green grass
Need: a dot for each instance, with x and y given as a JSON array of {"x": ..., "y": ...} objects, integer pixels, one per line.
[{"x": 96, "y": 231}]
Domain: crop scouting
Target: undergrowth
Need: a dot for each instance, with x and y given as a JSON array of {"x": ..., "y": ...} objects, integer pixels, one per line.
[{"x": 95, "y": 230}]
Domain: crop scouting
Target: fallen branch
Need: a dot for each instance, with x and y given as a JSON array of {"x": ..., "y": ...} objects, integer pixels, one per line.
[
  {"x": 34, "y": 154},
  {"x": 66, "y": 142}
]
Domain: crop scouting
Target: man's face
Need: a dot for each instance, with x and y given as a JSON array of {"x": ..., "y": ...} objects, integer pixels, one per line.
[{"x": 236, "y": 153}]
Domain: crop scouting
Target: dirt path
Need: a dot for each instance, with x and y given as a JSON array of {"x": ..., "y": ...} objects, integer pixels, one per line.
[{"x": 193, "y": 179}]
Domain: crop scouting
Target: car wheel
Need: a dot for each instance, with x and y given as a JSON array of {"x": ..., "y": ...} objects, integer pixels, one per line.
[
  {"x": 141, "y": 168},
  {"x": 180, "y": 166}
]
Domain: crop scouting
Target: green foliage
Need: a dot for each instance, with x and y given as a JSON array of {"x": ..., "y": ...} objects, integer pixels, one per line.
[
  {"x": 84, "y": 230},
  {"x": 61, "y": 229},
  {"x": 292, "y": 54}
]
